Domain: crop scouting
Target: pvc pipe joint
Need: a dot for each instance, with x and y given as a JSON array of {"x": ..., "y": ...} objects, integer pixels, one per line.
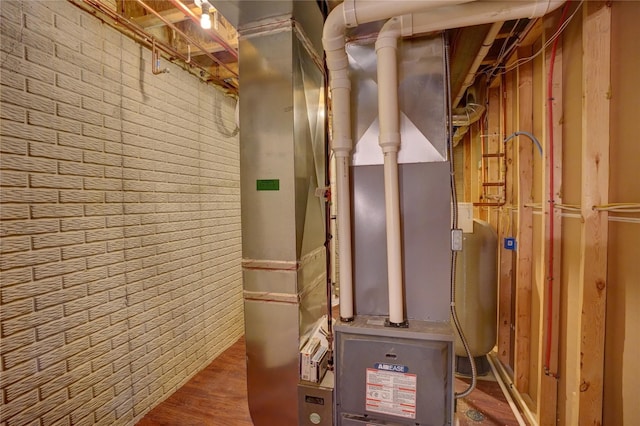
[
  {"x": 389, "y": 40},
  {"x": 332, "y": 44},
  {"x": 342, "y": 146},
  {"x": 389, "y": 142},
  {"x": 340, "y": 82},
  {"x": 349, "y": 13}
]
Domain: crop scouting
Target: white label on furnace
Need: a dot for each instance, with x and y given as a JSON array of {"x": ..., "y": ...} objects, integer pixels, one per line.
[{"x": 391, "y": 392}]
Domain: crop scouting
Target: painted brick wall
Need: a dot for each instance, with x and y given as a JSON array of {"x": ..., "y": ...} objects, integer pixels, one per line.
[{"x": 120, "y": 222}]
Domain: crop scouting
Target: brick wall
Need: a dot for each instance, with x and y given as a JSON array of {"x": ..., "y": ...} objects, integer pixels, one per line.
[{"x": 120, "y": 222}]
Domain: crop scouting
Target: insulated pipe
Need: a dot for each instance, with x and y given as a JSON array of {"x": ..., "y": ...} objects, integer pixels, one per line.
[
  {"x": 467, "y": 115},
  {"x": 462, "y": 118},
  {"x": 389, "y": 140}
]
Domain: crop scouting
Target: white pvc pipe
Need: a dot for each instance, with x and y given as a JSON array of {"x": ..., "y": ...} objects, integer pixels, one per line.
[
  {"x": 374, "y": 10},
  {"x": 482, "y": 53},
  {"x": 341, "y": 144},
  {"x": 394, "y": 240},
  {"x": 480, "y": 12},
  {"x": 389, "y": 139},
  {"x": 344, "y": 237},
  {"x": 443, "y": 14},
  {"x": 334, "y": 227}
]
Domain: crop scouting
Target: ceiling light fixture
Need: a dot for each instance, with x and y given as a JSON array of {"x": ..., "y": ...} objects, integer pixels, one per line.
[{"x": 205, "y": 18}]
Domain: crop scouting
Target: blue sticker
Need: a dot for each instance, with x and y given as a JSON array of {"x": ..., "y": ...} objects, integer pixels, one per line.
[
  {"x": 510, "y": 243},
  {"x": 391, "y": 367}
]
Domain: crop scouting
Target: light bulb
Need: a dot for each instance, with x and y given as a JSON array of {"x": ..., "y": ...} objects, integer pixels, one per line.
[
  {"x": 205, "y": 21},
  {"x": 205, "y": 18}
]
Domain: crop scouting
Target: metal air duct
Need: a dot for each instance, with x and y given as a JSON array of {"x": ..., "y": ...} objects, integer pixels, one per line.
[{"x": 282, "y": 160}]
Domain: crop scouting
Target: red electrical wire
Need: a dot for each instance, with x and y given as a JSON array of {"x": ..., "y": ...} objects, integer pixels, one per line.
[{"x": 552, "y": 204}]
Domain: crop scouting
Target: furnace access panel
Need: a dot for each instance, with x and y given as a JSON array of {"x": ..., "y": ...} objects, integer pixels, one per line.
[{"x": 391, "y": 376}]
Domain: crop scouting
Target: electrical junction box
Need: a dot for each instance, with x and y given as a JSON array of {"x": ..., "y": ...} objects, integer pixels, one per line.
[{"x": 394, "y": 376}]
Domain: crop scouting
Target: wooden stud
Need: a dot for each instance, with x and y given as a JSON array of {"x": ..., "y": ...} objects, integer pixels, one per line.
[
  {"x": 172, "y": 15},
  {"x": 507, "y": 226},
  {"x": 467, "y": 142},
  {"x": 475, "y": 176},
  {"x": 557, "y": 128},
  {"x": 548, "y": 382},
  {"x": 525, "y": 227},
  {"x": 494, "y": 132},
  {"x": 210, "y": 47},
  {"x": 595, "y": 191}
]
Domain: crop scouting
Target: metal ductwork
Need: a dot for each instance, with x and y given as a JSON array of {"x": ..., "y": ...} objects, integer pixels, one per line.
[{"x": 282, "y": 158}]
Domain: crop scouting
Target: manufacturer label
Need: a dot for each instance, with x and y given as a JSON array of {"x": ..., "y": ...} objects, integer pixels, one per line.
[
  {"x": 391, "y": 367},
  {"x": 391, "y": 390}
]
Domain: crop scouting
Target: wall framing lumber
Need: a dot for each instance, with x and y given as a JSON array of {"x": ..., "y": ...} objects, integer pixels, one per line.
[
  {"x": 507, "y": 227},
  {"x": 548, "y": 375},
  {"x": 595, "y": 191},
  {"x": 468, "y": 164},
  {"x": 525, "y": 227},
  {"x": 494, "y": 134}
]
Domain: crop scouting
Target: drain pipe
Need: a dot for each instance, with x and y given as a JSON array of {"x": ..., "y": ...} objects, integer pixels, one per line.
[{"x": 389, "y": 140}]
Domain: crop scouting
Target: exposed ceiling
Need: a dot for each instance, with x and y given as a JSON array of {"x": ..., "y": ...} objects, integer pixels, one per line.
[{"x": 172, "y": 27}]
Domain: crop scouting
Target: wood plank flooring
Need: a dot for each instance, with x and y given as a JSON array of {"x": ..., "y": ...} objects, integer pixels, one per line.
[
  {"x": 486, "y": 405},
  {"x": 217, "y": 396}
]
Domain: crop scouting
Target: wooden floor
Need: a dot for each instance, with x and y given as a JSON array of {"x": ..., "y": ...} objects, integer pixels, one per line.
[
  {"x": 217, "y": 396},
  {"x": 486, "y": 405}
]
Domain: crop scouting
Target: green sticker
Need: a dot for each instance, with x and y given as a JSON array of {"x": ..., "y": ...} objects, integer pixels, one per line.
[{"x": 268, "y": 184}]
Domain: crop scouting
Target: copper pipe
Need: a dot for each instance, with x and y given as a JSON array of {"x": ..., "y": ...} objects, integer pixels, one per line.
[
  {"x": 155, "y": 59},
  {"x": 186, "y": 37},
  {"x": 189, "y": 13},
  {"x": 145, "y": 37},
  {"x": 489, "y": 204}
]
